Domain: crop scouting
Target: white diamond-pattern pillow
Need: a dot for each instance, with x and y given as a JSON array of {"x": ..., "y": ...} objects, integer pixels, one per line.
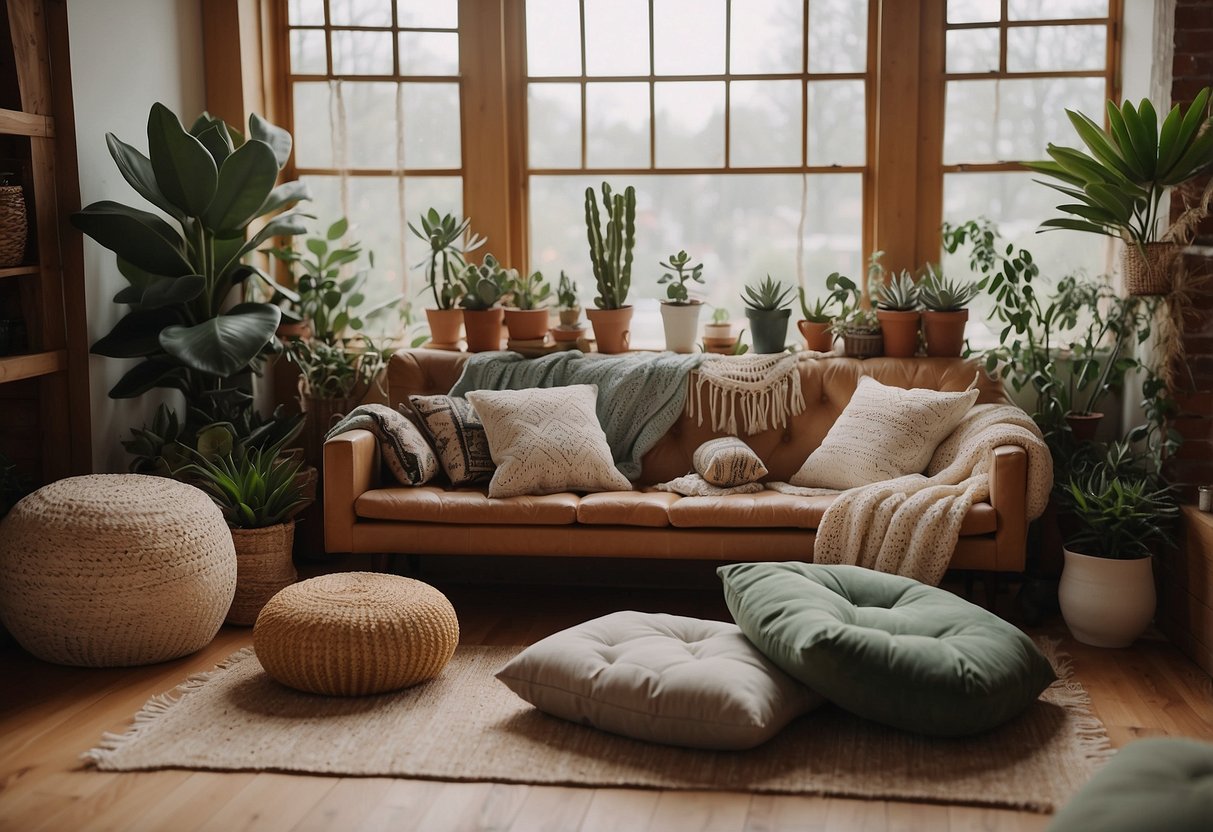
[{"x": 546, "y": 440}]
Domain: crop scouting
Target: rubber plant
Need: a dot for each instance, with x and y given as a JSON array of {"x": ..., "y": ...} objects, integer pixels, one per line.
[{"x": 212, "y": 183}]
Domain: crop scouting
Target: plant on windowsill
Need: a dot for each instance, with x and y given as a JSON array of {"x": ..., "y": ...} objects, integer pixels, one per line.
[
  {"x": 897, "y": 309},
  {"x": 568, "y": 302},
  {"x": 483, "y": 287},
  {"x": 817, "y": 317},
  {"x": 527, "y": 318},
  {"x": 858, "y": 326},
  {"x": 680, "y": 311},
  {"x": 611, "y": 259},
  {"x": 449, "y": 243},
  {"x": 768, "y": 308},
  {"x": 946, "y": 312}
]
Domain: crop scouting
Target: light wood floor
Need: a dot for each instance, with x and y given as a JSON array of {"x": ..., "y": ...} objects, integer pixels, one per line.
[{"x": 49, "y": 714}]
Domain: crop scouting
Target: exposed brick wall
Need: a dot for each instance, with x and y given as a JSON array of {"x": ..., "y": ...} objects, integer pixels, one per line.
[{"x": 1193, "y": 69}]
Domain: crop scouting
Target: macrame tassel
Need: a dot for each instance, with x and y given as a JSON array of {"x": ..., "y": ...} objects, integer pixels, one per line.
[{"x": 764, "y": 388}]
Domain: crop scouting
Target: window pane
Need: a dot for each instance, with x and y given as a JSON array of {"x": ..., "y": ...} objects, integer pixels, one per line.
[
  {"x": 617, "y": 124},
  {"x": 431, "y": 126},
  {"x": 369, "y": 132},
  {"x": 360, "y": 12},
  {"x": 429, "y": 53},
  {"x": 362, "y": 53},
  {"x": 306, "y": 13},
  {"x": 1040, "y": 48},
  {"x": 438, "y": 14},
  {"x": 768, "y": 37},
  {"x": 765, "y": 123},
  {"x": 836, "y": 123},
  {"x": 972, "y": 50},
  {"x": 554, "y": 125},
  {"x": 308, "y": 52},
  {"x": 973, "y": 11},
  {"x": 690, "y": 124},
  {"x": 313, "y": 131},
  {"x": 838, "y": 35},
  {"x": 616, "y": 37},
  {"x": 1055, "y": 9},
  {"x": 553, "y": 37},
  {"x": 1013, "y": 120},
  {"x": 688, "y": 37}
]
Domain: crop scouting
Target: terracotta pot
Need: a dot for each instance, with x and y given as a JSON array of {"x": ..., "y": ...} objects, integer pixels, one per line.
[
  {"x": 1152, "y": 274},
  {"x": 817, "y": 337},
  {"x": 681, "y": 324},
  {"x": 862, "y": 344},
  {"x": 769, "y": 329},
  {"x": 900, "y": 331},
  {"x": 1106, "y": 602},
  {"x": 718, "y": 332},
  {"x": 263, "y": 567},
  {"x": 566, "y": 334},
  {"x": 527, "y": 324},
  {"x": 570, "y": 317},
  {"x": 611, "y": 328},
  {"x": 444, "y": 326},
  {"x": 1084, "y": 425},
  {"x": 483, "y": 328},
  {"x": 944, "y": 332}
]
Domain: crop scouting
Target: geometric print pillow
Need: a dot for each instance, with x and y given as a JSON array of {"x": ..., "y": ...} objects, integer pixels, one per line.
[
  {"x": 405, "y": 451},
  {"x": 457, "y": 435}
]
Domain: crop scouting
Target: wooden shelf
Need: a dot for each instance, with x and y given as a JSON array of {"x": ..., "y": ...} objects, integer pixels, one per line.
[
  {"x": 18, "y": 271},
  {"x": 17, "y": 123},
  {"x": 17, "y": 367}
]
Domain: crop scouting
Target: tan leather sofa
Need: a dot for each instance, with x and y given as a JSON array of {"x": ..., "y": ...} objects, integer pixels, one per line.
[{"x": 364, "y": 513}]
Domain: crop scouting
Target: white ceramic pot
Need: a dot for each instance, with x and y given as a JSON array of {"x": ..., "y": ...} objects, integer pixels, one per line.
[
  {"x": 1106, "y": 602},
  {"x": 681, "y": 326}
]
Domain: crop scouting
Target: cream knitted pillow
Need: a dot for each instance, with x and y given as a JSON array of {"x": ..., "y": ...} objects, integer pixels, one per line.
[
  {"x": 883, "y": 433},
  {"x": 546, "y": 440},
  {"x": 728, "y": 462}
]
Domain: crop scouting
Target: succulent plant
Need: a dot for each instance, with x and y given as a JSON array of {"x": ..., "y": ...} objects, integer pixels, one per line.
[
  {"x": 449, "y": 243},
  {"x": 566, "y": 292},
  {"x": 819, "y": 312},
  {"x": 899, "y": 294},
  {"x": 684, "y": 270},
  {"x": 611, "y": 253},
  {"x": 768, "y": 295},
  {"x": 857, "y": 322},
  {"x": 530, "y": 292},
  {"x": 942, "y": 294},
  {"x": 253, "y": 489},
  {"x": 485, "y": 284}
]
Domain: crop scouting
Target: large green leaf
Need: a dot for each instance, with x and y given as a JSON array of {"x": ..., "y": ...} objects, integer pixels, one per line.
[
  {"x": 139, "y": 237},
  {"x": 170, "y": 291},
  {"x": 283, "y": 195},
  {"x": 1124, "y": 142},
  {"x": 1168, "y": 148},
  {"x": 217, "y": 142},
  {"x": 226, "y": 344},
  {"x": 154, "y": 372},
  {"x": 284, "y": 225},
  {"x": 1073, "y": 225},
  {"x": 245, "y": 181},
  {"x": 1114, "y": 200},
  {"x": 136, "y": 334},
  {"x": 1194, "y": 119},
  {"x": 274, "y": 136},
  {"x": 185, "y": 171},
  {"x": 136, "y": 169},
  {"x": 1142, "y": 133},
  {"x": 1051, "y": 168},
  {"x": 1099, "y": 145},
  {"x": 139, "y": 280},
  {"x": 1080, "y": 164},
  {"x": 1195, "y": 159}
]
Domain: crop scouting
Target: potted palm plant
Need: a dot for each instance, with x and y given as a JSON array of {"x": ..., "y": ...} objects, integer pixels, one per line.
[
  {"x": 679, "y": 311},
  {"x": 449, "y": 243},
  {"x": 611, "y": 259},
  {"x": 897, "y": 310},
  {"x": 1116, "y": 188},
  {"x": 483, "y": 287},
  {"x": 1107, "y": 585},
  {"x": 946, "y": 312},
  {"x": 527, "y": 319},
  {"x": 768, "y": 308}
]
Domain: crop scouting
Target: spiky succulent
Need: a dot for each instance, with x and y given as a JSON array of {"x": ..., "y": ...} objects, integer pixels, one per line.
[
  {"x": 449, "y": 243},
  {"x": 768, "y": 296},
  {"x": 819, "y": 312},
  {"x": 899, "y": 294},
  {"x": 943, "y": 294},
  {"x": 485, "y": 284},
  {"x": 531, "y": 291},
  {"x": 253, "y": 489}
]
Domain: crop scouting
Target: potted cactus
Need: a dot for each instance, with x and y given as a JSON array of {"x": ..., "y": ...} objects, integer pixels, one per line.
[
  {"x": 483, "y": 286},
  {"x": 449, "y": 244},
  {"x": 679, "y": 311},
  {"x": 611, "y": 258},
  {"x": 527, "y": 319},
  {"x": 568, "y": 302},
  {"x": 946, "y": 313},
  {"x": 768, "y": 307},
  {"x": 897, "y": 310}
]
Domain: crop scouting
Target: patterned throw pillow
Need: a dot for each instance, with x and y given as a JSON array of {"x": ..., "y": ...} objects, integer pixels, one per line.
[
  {"x": 547, "y": 440},
  {"x": 883, "y": 433},
  {"x": 405, "y": 451},
  {"x": 457, "y": 436},
  {"x": 728, "y": 462}
]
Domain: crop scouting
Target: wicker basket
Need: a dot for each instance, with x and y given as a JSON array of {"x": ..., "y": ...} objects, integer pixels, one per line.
[
  {"x": 14, "y": 227},
  {"x": 263, "y": 567},
  {"x": 862, "y": 344},
  {"x": 1153, "y": 274}
]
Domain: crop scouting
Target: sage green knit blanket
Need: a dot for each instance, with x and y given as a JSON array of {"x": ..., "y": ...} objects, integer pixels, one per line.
[{"x": 640, "y": 395}]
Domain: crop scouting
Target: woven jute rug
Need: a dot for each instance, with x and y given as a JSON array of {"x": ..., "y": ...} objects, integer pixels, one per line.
[{"x": 467, "y": 726}]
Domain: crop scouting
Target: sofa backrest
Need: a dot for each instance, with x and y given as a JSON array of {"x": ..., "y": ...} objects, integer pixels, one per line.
[{"x": 826, "y": 384}]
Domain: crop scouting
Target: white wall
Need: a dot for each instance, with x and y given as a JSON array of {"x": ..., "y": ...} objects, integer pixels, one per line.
[{"x": 126, "y": 55}]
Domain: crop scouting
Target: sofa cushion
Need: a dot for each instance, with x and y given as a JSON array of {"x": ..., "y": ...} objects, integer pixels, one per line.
[
  {"x": 661, "y": 678},
  {"x": 888, "y": 648},
  {"x": 626, "y": 508},
  {"x": 457, "y": 436},
  {"x": 768, "y": 509},
  {"x": 727, "y": 462},
  {"x": 429, "y": 504}
]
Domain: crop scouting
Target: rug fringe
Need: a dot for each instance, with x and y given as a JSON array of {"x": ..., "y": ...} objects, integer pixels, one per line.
[
  {"x": 1089, "y": 732},
  {"x": 156, "y": 707}
]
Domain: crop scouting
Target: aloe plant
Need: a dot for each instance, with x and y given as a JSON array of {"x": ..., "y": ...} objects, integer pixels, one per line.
[
  {"x": 898, "y": 294},
  {"x": 531, "y": 291},
  {"x": 254, "y": 489},
  {"x": 681, "y": 270},
  {"x": 611, "y": 251},
  {"x": 447, "y": 236},
  {"x": 1119, "y": 517},
  {"x": 484, "y": 285},
  {"x": 943, "y": 294},
  {"x": 768, "y": 295}
]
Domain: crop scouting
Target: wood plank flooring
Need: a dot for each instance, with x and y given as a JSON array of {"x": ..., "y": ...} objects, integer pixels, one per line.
[{"x": 49, "y": 714}]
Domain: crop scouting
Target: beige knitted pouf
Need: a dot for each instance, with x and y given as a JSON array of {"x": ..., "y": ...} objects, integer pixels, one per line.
[
  {"x": 111, "y": 570},
  {"x": 354, "y": 633}
]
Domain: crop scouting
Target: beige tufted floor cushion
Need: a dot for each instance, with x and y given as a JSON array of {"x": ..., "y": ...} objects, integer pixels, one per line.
[
  {"x": 355, "y": 633},
  {"x": 111, "y": 570}
]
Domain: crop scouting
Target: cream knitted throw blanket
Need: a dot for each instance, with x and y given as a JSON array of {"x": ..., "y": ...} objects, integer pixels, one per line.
[
  {"x": 751, "y": 392},
  {"x": 909, "y": 526}
]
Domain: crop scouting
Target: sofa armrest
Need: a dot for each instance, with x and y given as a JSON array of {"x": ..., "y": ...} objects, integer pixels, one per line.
[
  {"x": 351, "y": 467},
  {"x": 1009, "y": 497}
]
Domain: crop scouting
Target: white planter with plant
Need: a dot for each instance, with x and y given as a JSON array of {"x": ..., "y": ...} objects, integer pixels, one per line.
[
  {"x": 680, "y": 312},
  {"x": 444, "y": 265},
  {"x": 768, "y": 308}
]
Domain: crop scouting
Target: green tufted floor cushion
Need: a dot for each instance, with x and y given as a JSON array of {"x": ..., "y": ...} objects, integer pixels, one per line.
[
  {"x": 888, "y": 648},
  {"x": 1164, "y": 784}
]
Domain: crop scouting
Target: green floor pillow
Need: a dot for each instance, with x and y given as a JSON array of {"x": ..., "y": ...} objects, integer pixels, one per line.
[
  {"x": 888, "y": 648},
  {"x": 1151, "y": 784}
]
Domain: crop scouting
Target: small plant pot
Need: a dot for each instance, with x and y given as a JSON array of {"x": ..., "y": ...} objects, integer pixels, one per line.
[
  {"x": 1084, "y": 425},
  {"x": 817, "y": 336},
  {"x": 944, "y": 332},
  {"x": 567, "y": 334},
  {"x": 14, "y": 225},
  {"x": 718, "y": 332},
  {"x": 570, "y": 317},
  {"x": 527, "y": 324},
  {"x": 1151, "y": 274},
  {"x": 611, "y": 329},
  {"x": 769, "y": 329},
  {"x": 444, "y": 326},
  {"x": 483, "y": 328},
  {"x": 900, "y": 332},
  {"x": 263, "y": 567},
  {"x": 862, "y": 344},
  {"x": 681, "y": 324},
  {"x": 1106, "y": 602}
]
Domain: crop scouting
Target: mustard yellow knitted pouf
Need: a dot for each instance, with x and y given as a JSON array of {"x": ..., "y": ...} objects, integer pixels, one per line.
[
  {"x": 354, "y": 633},
  {"x": 111, "y": 570}
]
